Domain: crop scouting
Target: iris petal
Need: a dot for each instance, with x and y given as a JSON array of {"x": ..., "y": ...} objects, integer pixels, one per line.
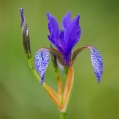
[
  {"x": 64, "y": 41},
  {"x": 41, "y": 62},
  {"x": 96, "y": 60},
  {"x": 53, "y": 27},
  {"x": 66, "y": 20},
  {"x": 72, "y": 34},
  {"x": 61, "y": 40},
  {"x": 55, "y": 44},
  {"x": 54, "y": 32}
]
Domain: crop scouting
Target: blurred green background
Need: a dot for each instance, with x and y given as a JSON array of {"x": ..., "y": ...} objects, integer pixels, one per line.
[{"x": 21, "y": 96}]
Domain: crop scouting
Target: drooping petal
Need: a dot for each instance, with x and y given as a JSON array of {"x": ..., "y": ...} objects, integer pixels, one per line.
[
  {"x": 96, "y": 60},
  {"x": 53, "y": 27},
  {"x": 72, "y": 34},
  {"x": 57, "y": 54},
  {"x": 41, "y": 62},
  {"x": 66, "y": 20}
]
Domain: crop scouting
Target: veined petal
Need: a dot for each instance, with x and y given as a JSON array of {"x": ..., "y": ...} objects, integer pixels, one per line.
[
  {"x": 96, "y": 60},
  {"x": 57, "y": 54},
  {"x": 41, "y": 62},
  {"x": 53, "y": 27},
  {"x": 72, "y": 34},
  {"x": 66, "y": 20}
]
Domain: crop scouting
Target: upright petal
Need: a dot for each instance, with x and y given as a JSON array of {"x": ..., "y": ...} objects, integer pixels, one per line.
[
  {"x": 41, "y": 62},
  {"x": 61, "y": 40},
  {"x": 54, "y": 32},
  {"x": 72, "y": 34},
  {"x": 53, "y": 27},
  {"x": 56, "y": 44},
  {"x": 66, "y": 20}
]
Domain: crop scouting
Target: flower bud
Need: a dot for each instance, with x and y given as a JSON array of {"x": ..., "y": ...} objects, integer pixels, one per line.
[{"x": 25, "y": 34}]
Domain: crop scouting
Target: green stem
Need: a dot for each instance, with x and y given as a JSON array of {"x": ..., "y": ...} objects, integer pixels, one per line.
[
  {"x": 62, "y": 115},
  {"x": 66, "y": 71},
  {"x": 31, "y": 65}
]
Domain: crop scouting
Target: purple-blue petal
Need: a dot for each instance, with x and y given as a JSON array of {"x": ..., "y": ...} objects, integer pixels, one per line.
[
  {"x": 97, "y": 62},
  {"x": 41, "y": 63},
  {"x": 56, "y": 44},
  {"x": 66, "y": 20},
  {"x": 72, "y": 34},
  {"x": 61, "y": 40},
  {"x": 53, "y": 27}
]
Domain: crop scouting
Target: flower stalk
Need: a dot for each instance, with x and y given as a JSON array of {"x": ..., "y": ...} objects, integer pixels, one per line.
[
  {"x": 68, "y": 88},
  {"x": 64, "y": 42},
  {"x": 63, "y": 115},
  {"x": 60, "y": 89},
  {"x": 31, "y": 65}
]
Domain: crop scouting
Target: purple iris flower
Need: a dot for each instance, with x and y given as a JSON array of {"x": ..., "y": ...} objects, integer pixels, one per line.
[{"x": 64, "y": 40}]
